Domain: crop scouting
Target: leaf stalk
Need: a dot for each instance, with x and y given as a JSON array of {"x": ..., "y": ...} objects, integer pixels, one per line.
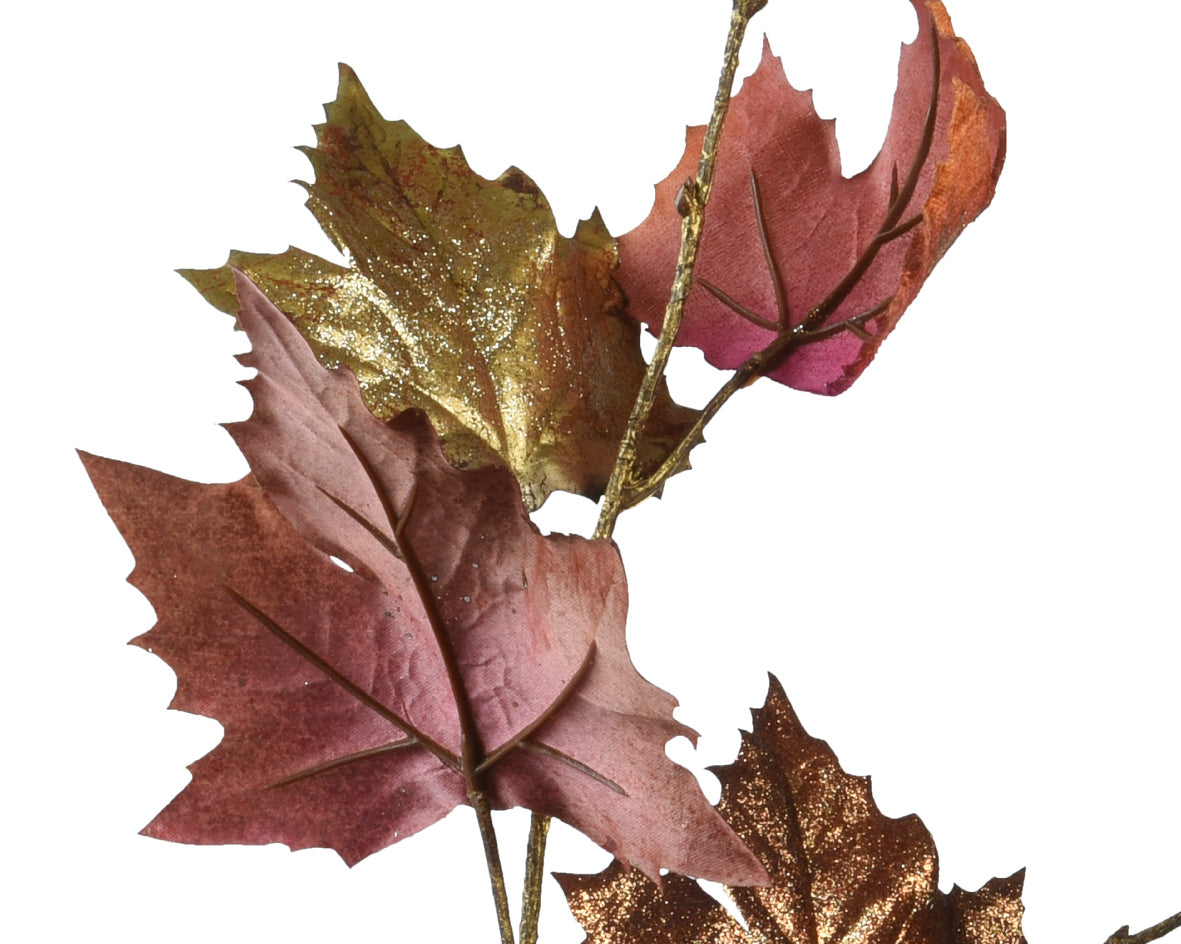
[
  {"x": 534, "y": 873},
  {"x": 479, "y": 801}
]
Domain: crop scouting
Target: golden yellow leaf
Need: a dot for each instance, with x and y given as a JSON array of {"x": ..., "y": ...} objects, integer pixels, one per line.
[{"x": 460, "y": 297}]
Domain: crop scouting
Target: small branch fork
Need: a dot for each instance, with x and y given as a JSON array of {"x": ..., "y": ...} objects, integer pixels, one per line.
[
  {"x": 691, "y": 202},
  {"x": 789, "y": 334},
  {"x": 472, "y": 762}
]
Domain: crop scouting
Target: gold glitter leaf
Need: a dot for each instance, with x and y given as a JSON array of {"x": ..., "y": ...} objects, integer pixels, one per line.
[
  {"x": 841, "y": 871},
  {"x": 461, "y": 298}
]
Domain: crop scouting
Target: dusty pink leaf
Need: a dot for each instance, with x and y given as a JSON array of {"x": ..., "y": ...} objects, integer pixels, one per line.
[
  {"x": 849, "y": 254},
  {"x": 343, "y": 720}
]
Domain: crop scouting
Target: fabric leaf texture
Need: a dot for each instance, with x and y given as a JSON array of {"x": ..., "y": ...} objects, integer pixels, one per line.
[
  {"x": 800, "y": 267},
  {"x": 381, "y": 634}
]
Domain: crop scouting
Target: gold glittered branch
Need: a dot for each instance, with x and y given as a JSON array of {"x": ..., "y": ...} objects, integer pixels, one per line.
[{"x": 691, "y": 203}]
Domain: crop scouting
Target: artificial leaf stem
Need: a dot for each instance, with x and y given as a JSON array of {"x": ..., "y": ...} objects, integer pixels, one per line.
[
  {"x": 479, "y": 801},
  {"x": 757, "y": 365},
  {"x": 744, "y": 375},
  {"x": 696, "y": 195},
  {"x": 1153, "y": 933},
  {"x": 691, "y": 203},
  {"x": 534, "y": 865}
]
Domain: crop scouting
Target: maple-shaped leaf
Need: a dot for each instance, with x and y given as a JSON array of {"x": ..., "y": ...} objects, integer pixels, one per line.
[
  {"x": 799, "y": 265},
  {"x": 461, "y": 298},
  {"x": 457, "y": 651},
  {"x": 841, "y": 871}
]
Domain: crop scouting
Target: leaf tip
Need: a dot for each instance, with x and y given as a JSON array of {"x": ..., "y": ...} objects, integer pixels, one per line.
[
  {"x": 346, "y": 79},
  {"x": 514, "y": 179}
]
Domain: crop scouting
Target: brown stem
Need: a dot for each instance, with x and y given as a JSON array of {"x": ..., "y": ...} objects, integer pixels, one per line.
[
  {"x": 416, "y": 736},
  {"x": 534, "y": 873},
  {"x": 614, "y": 501},
  {"x": 742, "y": 377},
  {"x": 777, "y": 279},
  {"x": 693, "y": 199},
  {"x": 471, "y": 750},
  {"x": 527, "y": 732},
  {"x": 1154, "y": 933},
  {"x": 737, "y": 307},
  {"x": 479, "y": 801}
]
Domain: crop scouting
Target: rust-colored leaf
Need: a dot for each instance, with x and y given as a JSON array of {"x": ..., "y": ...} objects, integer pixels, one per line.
[
  {"x": 841, "y": 871},
  {"x": 456, "y": 651},
  {"x": 461, "y": 298},
  {"x": 800, "y": 265}
]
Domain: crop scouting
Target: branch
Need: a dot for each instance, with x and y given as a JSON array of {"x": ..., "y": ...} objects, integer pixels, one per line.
[
  {"x": 534, "y": 873},
  {"x": 696, "y": 195},
  {"x": 892, "y": 225},
  {"x": 479, "y": 801},
  {"x": 1154, "y": 933},
  {"x": 416, "y": 737},
  {"x": 691, "y": 202},
  {"x": 755, "y": 366}
]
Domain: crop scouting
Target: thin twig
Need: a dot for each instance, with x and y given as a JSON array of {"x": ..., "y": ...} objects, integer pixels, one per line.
[
  {"x": 743, "y": 376},
  {"x": 358, "y": 692},
  {"x": 694, "y": 197},
  {"x": 737, "y": 307},
  {"x": 1156, "y": 932},
  {"x": 534, "y": 873},
  {"x": 900, "y": 197},
  {"x": 784, "y": 321},
  {"x": 479, "y": 801}
]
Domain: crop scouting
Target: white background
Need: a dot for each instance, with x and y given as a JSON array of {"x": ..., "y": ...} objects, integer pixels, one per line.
[{"x": 964, "y": 570}]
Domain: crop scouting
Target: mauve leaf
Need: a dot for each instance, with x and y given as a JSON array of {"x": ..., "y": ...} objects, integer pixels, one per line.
[
  {"x": 840, "y": 870},
  {"x": 849, "y": 254},
  {"x": 461, "y": 298},
  {"x": 344, "y": 692}
]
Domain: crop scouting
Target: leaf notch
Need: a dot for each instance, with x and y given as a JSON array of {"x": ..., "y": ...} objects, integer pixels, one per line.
[
  {"x": 461, "y": 298},
  {"x": 788, "y": 285}
]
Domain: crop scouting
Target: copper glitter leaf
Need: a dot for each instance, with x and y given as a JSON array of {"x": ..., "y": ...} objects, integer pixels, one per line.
[
  {"x": 461, "y": 298},
  {"x": 457, "y": 650},
  {"x": 798, "y": 264},
  {"x": 841, "y": 871}
]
